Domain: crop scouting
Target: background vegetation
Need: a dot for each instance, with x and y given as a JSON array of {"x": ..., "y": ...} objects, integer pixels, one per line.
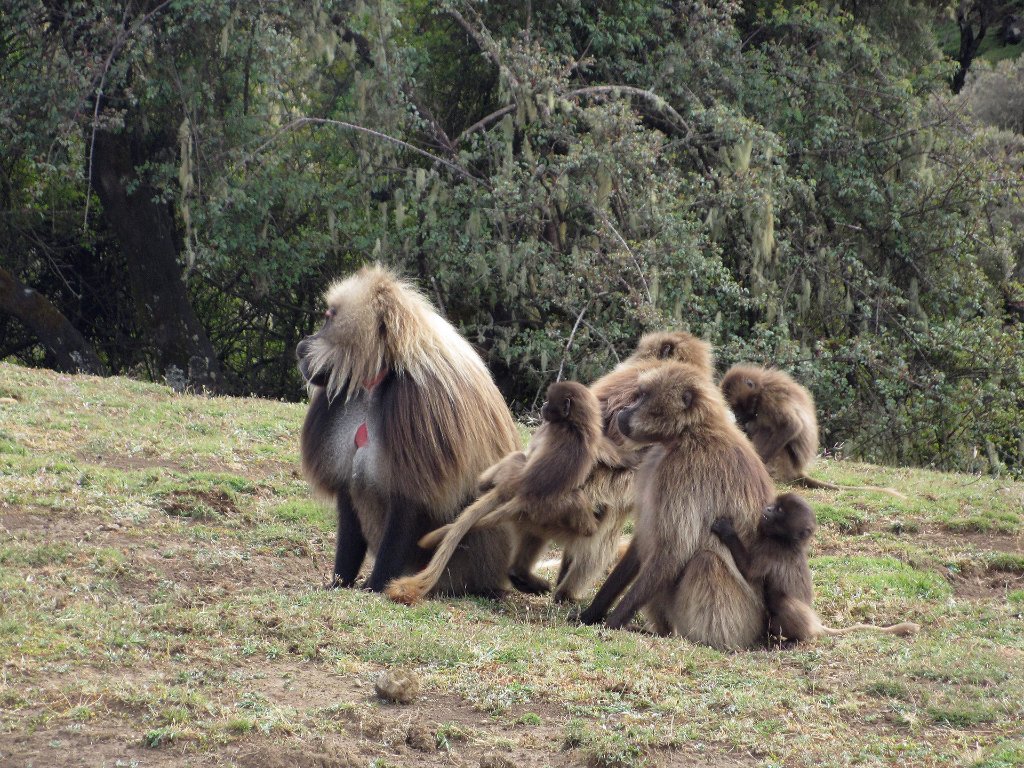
[{"x": 797, "y": 182}]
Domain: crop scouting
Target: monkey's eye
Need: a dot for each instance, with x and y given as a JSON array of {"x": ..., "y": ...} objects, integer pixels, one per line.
[
  {"x": 567, "y": 407},
  {"x": 750, "y": 383},
  {"x": 687, "y": 398},
  {"x": 666, "y": 351}
]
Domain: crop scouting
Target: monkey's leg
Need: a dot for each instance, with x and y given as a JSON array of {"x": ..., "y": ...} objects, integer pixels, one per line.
[
  {"x": 585, "y": 559},
  {"x": 728, "y": 536},
  {"x": 521, "y": 574},
  {"x": 351, "y": 546},
  {"x": 716, "y": 606},
  {"x": 651, "y": 581},
  {"x": 620, "y": 577},
  {"x": 397, "y": 546},
  {"x": 411, "y": 589},
  {"x": 768, "y": 442}
]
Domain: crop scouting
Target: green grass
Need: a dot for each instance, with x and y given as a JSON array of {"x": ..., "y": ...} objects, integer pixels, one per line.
[{"x": 160, "y": 588}]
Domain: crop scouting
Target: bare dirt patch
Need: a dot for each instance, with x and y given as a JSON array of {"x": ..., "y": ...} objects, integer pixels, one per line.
[
  {"x": 990, "y": 584},
  {"x": 199, "y": 504},
  {"x": 994, "y": 542}
]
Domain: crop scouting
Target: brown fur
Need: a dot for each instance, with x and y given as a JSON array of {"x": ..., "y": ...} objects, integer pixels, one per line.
[
  {"x": 778, "y": 416},
  {"x": 539, "y": 491},
  {"x": 776, "y": 563},
  {"x": 387, "y": 365},
  {"x": 585, "y": 559},
  {"x": 700, "y": 466}
]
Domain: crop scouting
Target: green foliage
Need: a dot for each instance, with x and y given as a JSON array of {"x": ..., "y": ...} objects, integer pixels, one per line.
[{"x": 790, "y": 181}]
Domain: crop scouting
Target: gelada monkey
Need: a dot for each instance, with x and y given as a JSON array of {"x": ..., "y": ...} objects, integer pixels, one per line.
[
  {"x": 403, "y": 417},
  {"x": 776, "y": 562},
  {"x": 584, "y": 559},
  {"x": 778, "y": 416},
  {"x": 540, "y": 491},
  {"x": 700, "y": 467}
]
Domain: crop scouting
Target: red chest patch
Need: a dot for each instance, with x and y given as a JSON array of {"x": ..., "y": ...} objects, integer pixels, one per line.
[{"x": 362, "y": 435}]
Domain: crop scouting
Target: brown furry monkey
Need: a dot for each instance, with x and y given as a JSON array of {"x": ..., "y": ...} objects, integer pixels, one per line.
[
  {"x": 778, "y": 416},
  {"x": 700, "y": 467},
  {"x": 617, "y": 389},
  {"x": 585, "y": 559},
  {"x": 539, "y": 491},
  {"x": 403, "y": 417},
  {"x": 777, "y": 563}
]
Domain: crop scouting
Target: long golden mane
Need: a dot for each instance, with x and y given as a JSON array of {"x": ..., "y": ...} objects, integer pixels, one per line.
[{"x": 384, "y": 322}]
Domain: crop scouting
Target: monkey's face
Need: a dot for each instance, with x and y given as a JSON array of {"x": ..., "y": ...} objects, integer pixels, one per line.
[
  {"x": 570, "y": 401},
  {"x": 674, "y": 345},
  {"x": 351, "y": 339},
  {"x": 741, "y": 387},
  {"x": 672, "y": 400},
  {"x": 790, "y": 519}
]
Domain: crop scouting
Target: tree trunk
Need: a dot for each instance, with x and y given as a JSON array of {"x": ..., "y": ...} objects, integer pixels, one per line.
[
  {"x": 970, "y": 41},
  {"x": 146, "y": 231},
  {"x": 67, "y": 350}
]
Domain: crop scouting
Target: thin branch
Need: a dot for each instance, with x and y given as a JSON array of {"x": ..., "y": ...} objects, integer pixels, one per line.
[
  {"x": 650, "y": 96},
  {"x": 568, "y": 344},
  {"x": 595, "y": 90},
  {"x": 625, "y": 245},
  {"x": 301, "y": 121},
  {"x": 487, "y": 45},
  {"x": 484, "y": 122}
]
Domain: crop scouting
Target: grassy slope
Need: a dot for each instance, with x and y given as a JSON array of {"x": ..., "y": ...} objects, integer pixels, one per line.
[{"x": 159, "y": 564}]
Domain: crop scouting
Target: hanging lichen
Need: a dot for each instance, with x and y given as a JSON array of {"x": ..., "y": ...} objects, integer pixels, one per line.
[
  {"x": 399, "y": 208},
  {"x": 803, "y": 301},
  {"x": 736, "y": 157},
  {"x": 226, "y": 32},
  {"x": 760, "y": 221},
  {"x": 604, "y": 185},
  {"x": 473, "y": 225}
]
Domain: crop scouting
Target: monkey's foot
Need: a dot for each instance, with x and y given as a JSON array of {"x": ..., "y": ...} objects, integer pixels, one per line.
[
  {"x": 405, "y": 591},
  {"x": 564, "y": 597},
  {"x": 529, "y": 583}
]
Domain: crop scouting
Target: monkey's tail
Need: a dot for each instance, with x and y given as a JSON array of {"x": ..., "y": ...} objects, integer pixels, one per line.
[
  {"x": 810, "y": 482},
  {"x": 904, "y": 628},
  {"x": 412, "y": 589}
]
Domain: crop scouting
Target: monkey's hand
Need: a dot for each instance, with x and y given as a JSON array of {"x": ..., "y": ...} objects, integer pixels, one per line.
[{"x": 722, "y": 527}]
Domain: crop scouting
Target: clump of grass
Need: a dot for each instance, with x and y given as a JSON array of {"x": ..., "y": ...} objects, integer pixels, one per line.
[
  {"x": 603, "y": 748},
  {"x": 159, "y": 737},
  {"x": 962, "y": 715},
  {"x": 1006, "y": 754},
  {"x": 841, "y": 518},
  {"x": 1005, "y": 561},
  {"x": 889, "y": 689}
]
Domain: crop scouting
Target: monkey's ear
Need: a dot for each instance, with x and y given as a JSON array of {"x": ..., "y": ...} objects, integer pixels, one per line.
[
  {"x": 666, "y": 350},
  {"x": 687, "y": 398},
  {"x": 567, "y": 407}
]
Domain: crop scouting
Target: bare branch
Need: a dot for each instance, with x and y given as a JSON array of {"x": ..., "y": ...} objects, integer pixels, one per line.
[
  {"x": 622, "y": 241},
  {"x": 568, "y": 344},
  {"x": 302, "y": 121}
]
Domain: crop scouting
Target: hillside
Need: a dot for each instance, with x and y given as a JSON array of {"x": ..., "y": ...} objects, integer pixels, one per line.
[{"x": 161, "y": 563}]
